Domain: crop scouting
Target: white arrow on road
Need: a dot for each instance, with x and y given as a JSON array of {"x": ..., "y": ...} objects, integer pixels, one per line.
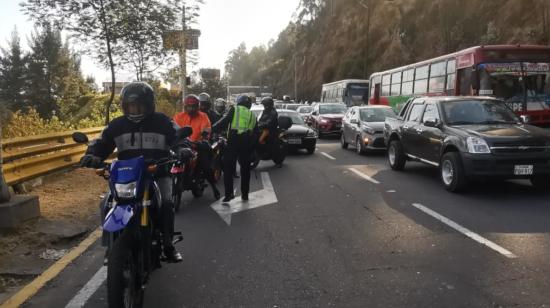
[{"x": 256, "y": 199}]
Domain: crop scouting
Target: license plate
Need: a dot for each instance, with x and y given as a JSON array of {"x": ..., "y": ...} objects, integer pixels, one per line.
[
  {"x": 523, "y": 169},
  {"x": 294, "y": 141}
]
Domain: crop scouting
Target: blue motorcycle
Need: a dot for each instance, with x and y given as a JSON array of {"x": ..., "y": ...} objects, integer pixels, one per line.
[{"x": 135, "y": 246}]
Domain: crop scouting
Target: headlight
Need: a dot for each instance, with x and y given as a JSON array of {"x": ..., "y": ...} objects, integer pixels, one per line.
[
  {"x": 126, "y": 191},
  {"x": 311, "y": 134},
  {"x": 368, "y": 130},
  {"x": 477, "y": 145}
]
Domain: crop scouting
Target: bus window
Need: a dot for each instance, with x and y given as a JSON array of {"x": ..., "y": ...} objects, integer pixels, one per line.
[
  {"x": 396, "y": 78},
  {"x": 386, "y": 80},
  {"x": 386, "y": 90},
  {"x": 395, "y": 89},
  {"x": 421, "y": 72},
  {"x": 421, "y": 86},
  {"x": 408, "y": 75},
  {"x": 407, "y": 88}
]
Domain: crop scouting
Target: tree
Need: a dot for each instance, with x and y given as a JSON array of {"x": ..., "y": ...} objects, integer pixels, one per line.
[
  {"x": 12, "y": 73},
  {"x": 94, "y": 23},
  {"x": 142, "y": 24}
]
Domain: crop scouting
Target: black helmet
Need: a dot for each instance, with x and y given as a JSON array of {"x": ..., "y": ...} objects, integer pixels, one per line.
[
  {"x": 137, "y": 101},
  {"x": 244, "y": 100},
  {"x": 268, "y": 102},
  {"x": 286, "y": 98}
]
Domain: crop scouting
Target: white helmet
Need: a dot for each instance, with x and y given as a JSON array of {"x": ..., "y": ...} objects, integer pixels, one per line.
[{"x": 219, "y": 105}]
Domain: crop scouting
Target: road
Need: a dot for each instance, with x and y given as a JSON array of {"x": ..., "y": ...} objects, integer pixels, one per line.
[{"x": 347, "y": 232}]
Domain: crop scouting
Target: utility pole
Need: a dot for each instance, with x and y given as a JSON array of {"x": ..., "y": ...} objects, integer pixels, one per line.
[{"x": 183, "y": 57}]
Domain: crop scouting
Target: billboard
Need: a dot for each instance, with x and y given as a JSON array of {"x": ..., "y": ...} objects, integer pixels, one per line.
[
  {"x": 210, "y": 73},
  {"x": 173, "y": 39}
]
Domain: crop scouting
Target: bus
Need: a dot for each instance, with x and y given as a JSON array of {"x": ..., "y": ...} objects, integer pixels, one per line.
[
  {"x": 352, "y": 92},
  {"x": 518, "y": 74}
]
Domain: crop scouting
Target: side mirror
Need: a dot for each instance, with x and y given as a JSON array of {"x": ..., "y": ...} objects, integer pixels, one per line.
[
  {"x": 525, "y": 119},
  {"x": 184, "y": 132},
  {"x": 79, "y": 137},
  {"x": 285, "y": 122},
  {"x": 432, "y": 122}
]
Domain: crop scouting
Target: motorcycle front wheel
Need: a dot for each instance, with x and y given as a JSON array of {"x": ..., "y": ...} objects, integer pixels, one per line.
[{"x": 123, "y": 282}]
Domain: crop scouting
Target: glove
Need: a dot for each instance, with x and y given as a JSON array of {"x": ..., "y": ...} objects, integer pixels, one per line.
[{"x": 90, "y": 161}]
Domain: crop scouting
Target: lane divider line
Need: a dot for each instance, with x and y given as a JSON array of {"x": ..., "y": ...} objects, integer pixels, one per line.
[
  {"x": 364, "y": 176},
  {"x": 474, "y": 236},
  {"x": 38, "y": 283},
  {"x": 328, "y": 156},
  {"x": 82, "y": 297}
]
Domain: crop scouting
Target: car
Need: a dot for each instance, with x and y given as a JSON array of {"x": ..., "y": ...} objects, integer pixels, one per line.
[
  {"x": 363, "y": 127},
  {"x": 292, "y": 106},
  {"x": 257, "y": 110},
  {"x": 304, "y": 111},
  {"x": 326, "y": 118},
  {"x": 279, "y": 104},
  {"x": 468, "y": 138},
  {"x": 299, "y": 135}
]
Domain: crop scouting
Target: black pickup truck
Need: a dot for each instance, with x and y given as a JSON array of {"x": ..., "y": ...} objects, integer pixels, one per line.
[{"x": 468, "y": 138}]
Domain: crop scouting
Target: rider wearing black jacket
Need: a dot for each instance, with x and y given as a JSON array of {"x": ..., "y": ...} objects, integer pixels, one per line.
[
  {"x": 140, "y": 132},
  {"x": 205, "y": 105},
  {"x": 270, "y": 121}
]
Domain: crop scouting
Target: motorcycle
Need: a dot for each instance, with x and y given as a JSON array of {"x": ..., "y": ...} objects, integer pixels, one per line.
[
  {"x": 186, "y": 176},
  {"x": 277, "y": 153},
  {"x": 136, "y": 245}
]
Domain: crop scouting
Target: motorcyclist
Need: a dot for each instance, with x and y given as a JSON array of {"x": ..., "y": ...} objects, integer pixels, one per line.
[
  {"x": 268, "y": 125},
  {"x": 140, "y": 132},
  {"x": 242, "y": 134},
  {"x": 205, "y": 106},
  {"x": 198, "y": 120},
  {"x": 220, "y": 106}
]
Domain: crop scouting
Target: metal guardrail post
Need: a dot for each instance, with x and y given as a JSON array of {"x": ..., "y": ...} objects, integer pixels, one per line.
[{"x": 4, "y": 190}]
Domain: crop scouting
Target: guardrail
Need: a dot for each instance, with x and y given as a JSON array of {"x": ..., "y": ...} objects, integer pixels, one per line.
[{"x": 26, "y": 158}]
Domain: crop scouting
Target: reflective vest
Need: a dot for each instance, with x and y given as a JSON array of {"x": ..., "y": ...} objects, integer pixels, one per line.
[{"x": 243, "y": 120}]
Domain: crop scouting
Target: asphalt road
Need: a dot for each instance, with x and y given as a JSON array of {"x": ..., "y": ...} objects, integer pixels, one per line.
[{"x": 348, "y": 232}]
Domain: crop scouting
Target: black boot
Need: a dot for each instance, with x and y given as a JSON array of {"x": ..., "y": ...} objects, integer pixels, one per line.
[{"x": 172, "y": 255}]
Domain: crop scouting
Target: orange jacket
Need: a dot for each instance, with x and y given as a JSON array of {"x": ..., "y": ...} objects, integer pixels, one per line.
[{"x": 198, "y": 122}]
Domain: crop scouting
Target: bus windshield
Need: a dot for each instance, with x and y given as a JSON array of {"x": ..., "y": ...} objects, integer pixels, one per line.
[
  {"x": 358, "y": 92},
  {"x": 517, "y": 83}
]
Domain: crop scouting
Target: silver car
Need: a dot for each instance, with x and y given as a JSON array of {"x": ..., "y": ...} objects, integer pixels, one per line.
[{"x": 363, "y": 127}]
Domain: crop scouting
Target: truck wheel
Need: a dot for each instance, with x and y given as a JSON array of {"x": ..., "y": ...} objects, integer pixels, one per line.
[
  {"x": 396, "y": 156},
  {"x": 452, "y": 172},
  {"x": 343, "y": 142}
]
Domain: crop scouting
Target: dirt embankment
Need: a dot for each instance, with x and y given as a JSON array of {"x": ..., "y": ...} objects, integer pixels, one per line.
[{"x": 69, "y": 211}]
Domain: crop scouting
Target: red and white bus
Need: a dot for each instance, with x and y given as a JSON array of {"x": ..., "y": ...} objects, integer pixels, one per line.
[{"x": 518, "y": 74}]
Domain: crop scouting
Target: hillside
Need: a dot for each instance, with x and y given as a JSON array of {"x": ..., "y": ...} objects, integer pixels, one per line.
[{"x": 335, "y": 45}]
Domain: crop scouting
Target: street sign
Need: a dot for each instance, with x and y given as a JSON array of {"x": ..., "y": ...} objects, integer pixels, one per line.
[{"x": 173, "y": 39}]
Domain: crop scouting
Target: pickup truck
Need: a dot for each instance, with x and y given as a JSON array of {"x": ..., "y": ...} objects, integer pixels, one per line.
[{"x": 468, "y": 138}]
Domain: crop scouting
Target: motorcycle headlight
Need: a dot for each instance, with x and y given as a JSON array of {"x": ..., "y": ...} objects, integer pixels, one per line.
[
  {"x": 367, "y": 129},
  {"x": 477, "y": 145},
  {"x": 126, "y": 191}
]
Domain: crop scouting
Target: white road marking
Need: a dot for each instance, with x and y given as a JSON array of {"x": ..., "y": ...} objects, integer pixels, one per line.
[
  {"x": 256, "y": 199},
  {"x": 474, "y": 236},
  {"x": 364, "y": 176},
  {"x": 89, "y": 289},
  {"x": 328, "y": 156},
  {"x": 391, "y": 191}
]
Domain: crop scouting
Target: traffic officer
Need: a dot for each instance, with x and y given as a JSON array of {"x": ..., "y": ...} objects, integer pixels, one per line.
[{"x": 242, "y": 132}]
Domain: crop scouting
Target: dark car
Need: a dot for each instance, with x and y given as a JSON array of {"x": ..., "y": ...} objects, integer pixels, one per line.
[
  {"x": 326, "y": 118},
  {"x": 299, "y": 136},
  {"x": 363, "y": 127},
  {"x": 468, "y": 138},
  {"x": 304, "y": 111}
]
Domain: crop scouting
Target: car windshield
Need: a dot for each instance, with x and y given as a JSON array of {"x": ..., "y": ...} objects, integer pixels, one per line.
[
  {"x": 292, "y": 107},
  {"x": 376, "y": 114},
  {"x": 332, "y": 108},
  {"x": 478, "y": 112},
  {"x": 305, "y": 109},
  {"x": 294, "y": 116},
  {"x": 520, "y": 85}
]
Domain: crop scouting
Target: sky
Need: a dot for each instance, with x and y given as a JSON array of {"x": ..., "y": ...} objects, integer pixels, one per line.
[{"x": 224, "y": 24}]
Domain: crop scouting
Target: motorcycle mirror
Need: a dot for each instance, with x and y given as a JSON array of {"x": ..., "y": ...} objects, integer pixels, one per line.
[
  {"x": 285, "y": 122},
  {"x": 79, "y": 137},
  {"x": 185, "y": 132}
]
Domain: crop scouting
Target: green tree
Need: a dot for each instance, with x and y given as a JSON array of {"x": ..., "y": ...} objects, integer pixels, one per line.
[
  {"x": 95, "y": 24},
  {"x": 12, "y": 73}
]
